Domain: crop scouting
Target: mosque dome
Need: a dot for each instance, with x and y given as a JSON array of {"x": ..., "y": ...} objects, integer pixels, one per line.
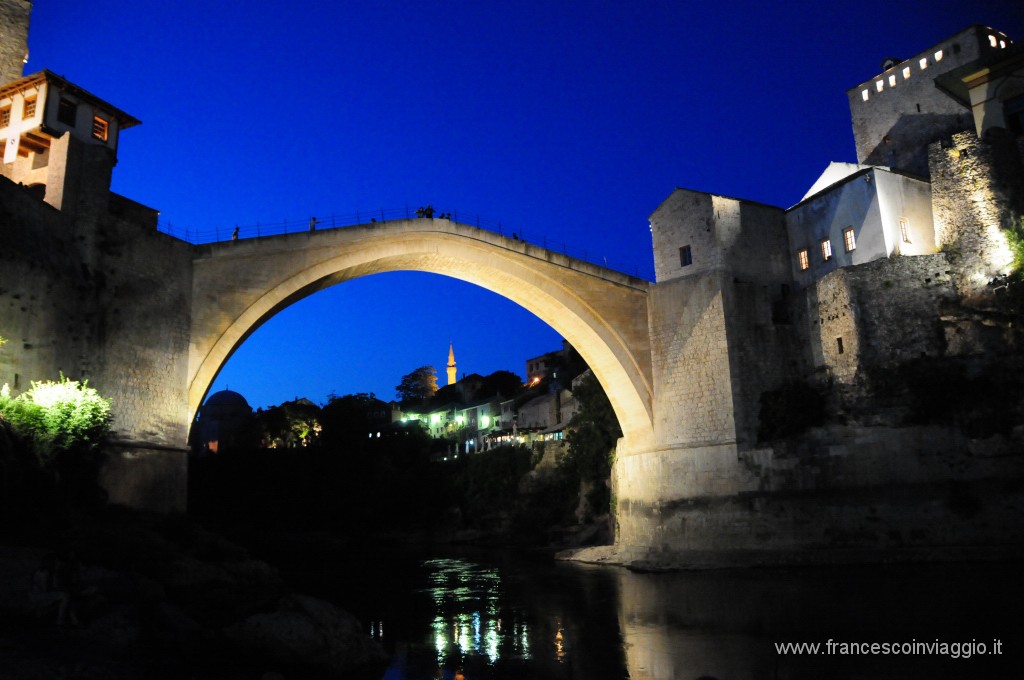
[{"x": 227, "y": 399}]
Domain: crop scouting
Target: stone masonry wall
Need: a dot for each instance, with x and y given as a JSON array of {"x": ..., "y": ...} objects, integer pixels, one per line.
[
  {"x": 690, "y": 362},
  {"x": 883, "y": 312},
  {"x": 977, "y": 188},
  {"x": 14, "y": 20}
]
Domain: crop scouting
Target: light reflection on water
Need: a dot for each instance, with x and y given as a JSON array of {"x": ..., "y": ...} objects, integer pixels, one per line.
[
  {"x": 469, "y": 619},
  {"x": 485, "y": 617}
]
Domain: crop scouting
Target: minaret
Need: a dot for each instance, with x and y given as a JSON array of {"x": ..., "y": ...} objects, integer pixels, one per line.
[{"x": 451, "y": 364}]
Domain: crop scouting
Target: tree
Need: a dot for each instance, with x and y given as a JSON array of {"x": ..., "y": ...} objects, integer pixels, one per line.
[
  {"x": 593, "y": 432},
  {"x": 417, "y": 386}
]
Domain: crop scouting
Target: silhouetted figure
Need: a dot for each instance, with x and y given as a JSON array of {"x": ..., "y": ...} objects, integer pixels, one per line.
[
  {"x": 234, "y": 234},
  {"x": 428, "y": 211},
  {"x": 420, "y": 211},
  {"x": 514, "y": 237},
  {"x": 312, "y": 223}
]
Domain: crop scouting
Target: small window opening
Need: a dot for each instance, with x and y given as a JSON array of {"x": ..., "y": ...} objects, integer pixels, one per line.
[
  {"x": 5, "y": 116},
  {"x": 685, "y": 256},
  {"x": 879, "y": 85},
  {"x": 923, "y": 63},
  {"x": 864, "y": 94},
  {"x": 67, "y": 111},
  {"x": 938, "y": 56},
  {"x": 849, "y": 240},
  {"x": 992, "y": 41},
  {"x": 100, "y": 128},
  {"x": 804, "y": 259},
  {"x": 826, "y": 250},
  {"x": 905, "y": 229},
  {"x": 906, "y": 73},
  {"x": 29, "y": 109},
  {"x": 839, "y": 345},
  {"x": 892, "y": 80}
]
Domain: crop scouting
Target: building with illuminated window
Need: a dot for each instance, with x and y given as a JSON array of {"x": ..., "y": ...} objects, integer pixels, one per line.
[{"x": 857, "y": 273}]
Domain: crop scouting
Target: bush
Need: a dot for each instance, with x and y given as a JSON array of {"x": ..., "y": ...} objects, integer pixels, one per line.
[{"x": 62, "y": 415}]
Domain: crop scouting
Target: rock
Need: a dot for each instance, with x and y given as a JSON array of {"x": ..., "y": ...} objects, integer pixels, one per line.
[{"x": 307, "y": 633}]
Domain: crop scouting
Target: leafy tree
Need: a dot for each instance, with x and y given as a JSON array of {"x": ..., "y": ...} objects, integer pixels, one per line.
[
  {"x": 593, "y": 432},
  {"x": 353, "y": 416},
  {"x": 292, "y": 424},
  {"x": 417, "y": 386}
]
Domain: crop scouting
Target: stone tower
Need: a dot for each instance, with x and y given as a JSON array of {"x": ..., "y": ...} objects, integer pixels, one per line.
[
  {"x": 14, "y": 16},
  {"x": 451, "y": 365}
]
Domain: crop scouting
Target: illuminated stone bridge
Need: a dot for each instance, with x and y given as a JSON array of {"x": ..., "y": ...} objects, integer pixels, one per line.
[{"x": 238, "y": 285}]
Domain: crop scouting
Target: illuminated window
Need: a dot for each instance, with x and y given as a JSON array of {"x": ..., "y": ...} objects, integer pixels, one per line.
[
  {"x": 905, "y": 229},
  {"x": 938, "y": 56},
  {"x": 879, "y": 84},
  {"x": 826, "y": 250},
  {"x": 923, "y": 63},
  {"x": 685, "y": 256},
  {"x": 864, "y": 94},
  {"x": 849, "y": 240},
  {"x": 100, "y": 128},
  {"x": 66, "y": 111},
  {"x": 892, "y": 80},
  {"x": 992, "y": 41},
  {"x": 1002, "y": 44},
  {"x": 804, "y": 258},
  {"x": 5, "y": 116},
  {"x": 906, "y": 73},
  {"x": 29, "y": 110}
]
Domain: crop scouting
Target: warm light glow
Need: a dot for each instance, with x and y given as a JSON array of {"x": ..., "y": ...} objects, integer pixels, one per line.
[
  {"x": 803, "y": 257},
  {"x": 879, "y": 84},
  {"x": 992, "y": 41},
  {"x": 864, "y": 94},
  {"x": 923, "y": 63},
  {"x": 849, "y": 240},
  {"x": 906, "y": 73},
  {"x": 938, "y": 56},
  {"x": 892, "y": 80}
]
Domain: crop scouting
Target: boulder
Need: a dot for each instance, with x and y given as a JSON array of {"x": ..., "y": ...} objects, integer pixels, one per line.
[{"x": 307, "y": 633}]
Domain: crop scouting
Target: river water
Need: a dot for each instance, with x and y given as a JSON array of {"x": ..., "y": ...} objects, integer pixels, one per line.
[{"x": 475, "y": 615}]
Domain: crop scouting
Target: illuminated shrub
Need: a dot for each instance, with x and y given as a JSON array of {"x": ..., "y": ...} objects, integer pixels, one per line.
[{"x": 57, "y": 415}]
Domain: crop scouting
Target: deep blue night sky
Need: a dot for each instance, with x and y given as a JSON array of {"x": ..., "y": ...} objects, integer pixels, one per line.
[{"x": 565, "y": 121}]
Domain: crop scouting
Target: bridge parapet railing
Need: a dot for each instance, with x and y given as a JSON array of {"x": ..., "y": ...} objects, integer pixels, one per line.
[{"x": 334, "y": 220}]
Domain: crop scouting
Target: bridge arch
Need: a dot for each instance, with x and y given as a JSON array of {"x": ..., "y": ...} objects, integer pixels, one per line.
[{"x": 239, "y": 285}]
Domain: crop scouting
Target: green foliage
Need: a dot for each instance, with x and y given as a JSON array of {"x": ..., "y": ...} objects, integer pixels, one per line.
[
  {"x": 61, "y": 415},
  {"x": 1015, "y": 239},
  {"x": 790, "y": 410},
  {"x": 593, "y": 432},
  {"x": 417, "y": 386}
]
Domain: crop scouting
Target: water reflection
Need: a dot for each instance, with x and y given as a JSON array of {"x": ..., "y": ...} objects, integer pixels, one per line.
[
  {"x": 469, "y": 618},
  {"x": 482, "y": 616}
]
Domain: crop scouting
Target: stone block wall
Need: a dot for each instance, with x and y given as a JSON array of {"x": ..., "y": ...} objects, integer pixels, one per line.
[
  {"x": 977, "y": 188},
  {"x": 14, "y": 20},
  {"x": 690, "y": 360},
  {"x": 876, "y": 315}
]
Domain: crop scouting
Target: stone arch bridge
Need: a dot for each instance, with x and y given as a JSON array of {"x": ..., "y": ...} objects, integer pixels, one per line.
[{"x": 238, "y": 285}]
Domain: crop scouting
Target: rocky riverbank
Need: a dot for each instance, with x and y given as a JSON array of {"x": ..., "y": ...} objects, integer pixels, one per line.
[{"x": 153, "y": 597}]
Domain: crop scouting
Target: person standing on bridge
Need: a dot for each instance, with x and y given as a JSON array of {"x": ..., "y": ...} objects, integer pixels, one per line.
[{"x": 312, "y": 223}]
